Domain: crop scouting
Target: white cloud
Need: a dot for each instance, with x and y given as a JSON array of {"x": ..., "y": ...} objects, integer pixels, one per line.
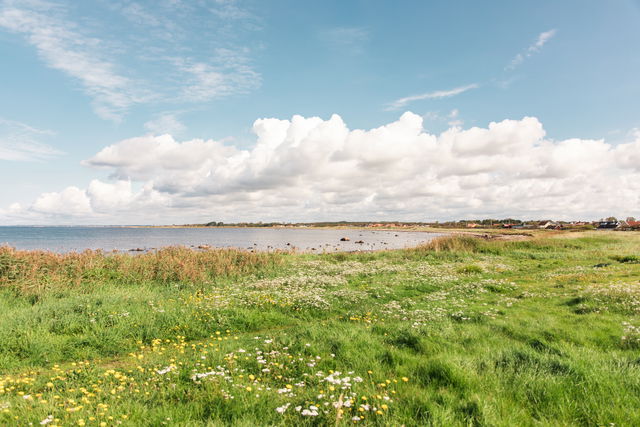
[
  {"x": 628, "y": 155},
  {"x": 165, "y": 123},
  {"x": 70, "y": 201},
  {"x": 402, "y": 102},
  {"x": 312, "y": 169},
  {"x": 229, "y": 74},
  {"x": 542, "y": 39},
  {"x": 151, "y": 59},
  {"x": 349, "y": 39},
  {"x": 21, "y": 142},
  {"x": 64, "y": 48},
  {"x": 454, "y": 118}
]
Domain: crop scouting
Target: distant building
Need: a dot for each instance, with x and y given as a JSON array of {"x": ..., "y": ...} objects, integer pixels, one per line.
[
  {"x": 608, "y": 224},
  {"x": 548, "y": 225},
  {"x": 628, "y": 225}
]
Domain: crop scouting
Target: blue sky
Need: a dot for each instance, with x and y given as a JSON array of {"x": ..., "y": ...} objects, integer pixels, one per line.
[{"x": 78, "y": 77}]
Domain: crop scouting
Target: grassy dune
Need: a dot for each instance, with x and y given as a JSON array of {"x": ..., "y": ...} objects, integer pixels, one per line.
[{"x": 462, "y": 331}]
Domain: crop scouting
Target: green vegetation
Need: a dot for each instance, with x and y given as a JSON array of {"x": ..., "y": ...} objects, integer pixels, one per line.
[{"x": 462, "y": 331}]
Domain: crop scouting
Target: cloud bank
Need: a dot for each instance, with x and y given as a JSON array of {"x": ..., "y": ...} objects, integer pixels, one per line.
[{"x": 311, "y": 169}]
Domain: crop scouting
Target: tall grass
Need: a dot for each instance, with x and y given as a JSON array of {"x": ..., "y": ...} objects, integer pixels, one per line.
[
  {"x": 462, "y": 331},
  {"x": 454, "y": 243},
  {"x": 37, "y": 271}
]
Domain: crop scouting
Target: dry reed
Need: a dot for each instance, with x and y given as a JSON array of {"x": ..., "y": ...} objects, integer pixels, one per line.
[{"x": 35, "y": 271}]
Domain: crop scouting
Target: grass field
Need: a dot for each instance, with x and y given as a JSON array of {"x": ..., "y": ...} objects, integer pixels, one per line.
[{"x": 462, "y": 331}]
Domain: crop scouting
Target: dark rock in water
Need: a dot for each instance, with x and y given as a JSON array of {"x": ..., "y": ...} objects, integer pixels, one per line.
[
  {"x": 288, "y": 244},
  {"x": 359, "y": 241},
  {"x": 136, "y": 250},
  {"x": 345, "y": 239}
]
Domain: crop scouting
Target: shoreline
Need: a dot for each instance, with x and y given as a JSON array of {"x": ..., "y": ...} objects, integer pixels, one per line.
[{"x": 320, "y": 248}]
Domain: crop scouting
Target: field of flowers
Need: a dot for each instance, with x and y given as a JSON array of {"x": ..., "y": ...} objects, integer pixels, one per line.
[{"x": 462, "y": 331}]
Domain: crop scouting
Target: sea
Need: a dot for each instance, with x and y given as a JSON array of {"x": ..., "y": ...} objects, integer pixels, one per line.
[{"x": 144, "y": 239}]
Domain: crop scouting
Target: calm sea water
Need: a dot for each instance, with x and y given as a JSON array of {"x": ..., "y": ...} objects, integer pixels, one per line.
[{"x": 67, "y": 239}]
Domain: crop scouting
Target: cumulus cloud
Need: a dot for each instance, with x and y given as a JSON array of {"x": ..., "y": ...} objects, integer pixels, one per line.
[
  {"x": 312, "y": 168},
  {"x": 70, "y": 201},
  {"x": 403, "y": 102}
]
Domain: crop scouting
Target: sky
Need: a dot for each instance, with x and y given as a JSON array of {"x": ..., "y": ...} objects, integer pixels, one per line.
[{"x": 176, "y": 111}]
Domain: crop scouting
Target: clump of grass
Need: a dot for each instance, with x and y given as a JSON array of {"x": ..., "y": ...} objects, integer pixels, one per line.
[
  {"x": 631, "y": 259},
  {"x": 452, "y": 244},
  {"x": 36, "y": 271},
  {"x": 470, "y": 269}
]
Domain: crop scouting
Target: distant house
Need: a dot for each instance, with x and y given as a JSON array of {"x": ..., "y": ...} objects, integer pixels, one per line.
[
  {"x": 548, "y": 225},
  {"x": 511, "y": 225},
  {"x": 603, "y": 225},
  {"x": 473, "y": 225},
  {"x": 628, "y": 225}
]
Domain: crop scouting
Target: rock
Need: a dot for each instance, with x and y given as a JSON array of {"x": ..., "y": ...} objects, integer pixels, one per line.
[
  {"x": 345, "y": 239},
  {"x": 359, "y": 241}
]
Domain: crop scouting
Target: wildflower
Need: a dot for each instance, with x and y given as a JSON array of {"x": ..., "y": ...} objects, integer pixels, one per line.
[
  {"x": 166, "y": 370},
  {"x": 405, "y": 379},
  {"x": 311, "y": 412},
  {"x": 281, "y": 409},
  {"x": 47, "y": 420}
]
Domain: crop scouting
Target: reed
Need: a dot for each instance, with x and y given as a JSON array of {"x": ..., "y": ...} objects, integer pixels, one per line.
[{"x": 37, "y": 271}]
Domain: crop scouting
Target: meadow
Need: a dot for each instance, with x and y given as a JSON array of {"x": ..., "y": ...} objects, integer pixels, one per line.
[{"x": 462, "y": 331}]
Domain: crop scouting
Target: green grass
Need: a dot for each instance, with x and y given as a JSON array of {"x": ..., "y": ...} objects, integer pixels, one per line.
[{"x": 462, "y": 331}]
